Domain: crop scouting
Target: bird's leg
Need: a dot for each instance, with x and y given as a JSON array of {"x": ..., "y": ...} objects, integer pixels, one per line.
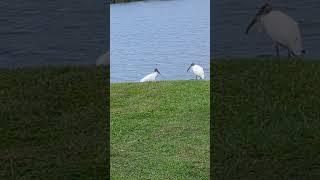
[
  {"x": 196, "y": 77},
  {"x": 277, "y": 50},
  {"x": 289, "y": 53}
]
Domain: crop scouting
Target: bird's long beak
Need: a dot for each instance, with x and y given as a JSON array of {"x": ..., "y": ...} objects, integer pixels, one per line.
[
  {"x": 189, "y": 68},
  {"x": 255, "y": 19},
  {"x": 158, "y": 71}
]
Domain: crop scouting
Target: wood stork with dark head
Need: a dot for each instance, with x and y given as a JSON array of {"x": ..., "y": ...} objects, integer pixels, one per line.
[
  {"x": 197, "y": 70},
  {"x": 151, "y": 76},
  {"x": 281, "y": 28}
]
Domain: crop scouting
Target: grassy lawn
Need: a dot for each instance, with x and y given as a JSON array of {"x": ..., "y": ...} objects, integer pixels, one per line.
[
  {"x": 265, "y": 119},
  {"x": 53, "y": 123},
  {"x": 160, "y": 130}
]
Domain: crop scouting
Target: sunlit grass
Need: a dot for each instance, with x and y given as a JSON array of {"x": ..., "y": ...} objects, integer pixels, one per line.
[{"x": 160, "y": 130}]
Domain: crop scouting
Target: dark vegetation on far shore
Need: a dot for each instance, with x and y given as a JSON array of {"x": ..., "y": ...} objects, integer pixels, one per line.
[{"x": 122, "y": 1}]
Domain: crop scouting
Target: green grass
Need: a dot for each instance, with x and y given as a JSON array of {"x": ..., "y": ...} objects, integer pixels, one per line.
[
  {"x": 53, "y": 123},
  {"x": 265, "y": 119},
  {"x": 160, "y": 130}
]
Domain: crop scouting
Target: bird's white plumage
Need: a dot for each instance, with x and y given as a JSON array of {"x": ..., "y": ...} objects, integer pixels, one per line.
[
  {"x": 284, "y": 30},
  {"x": 198, "y": 71},
  {"x": 150, "y": 77},
  {"x": 104, "y": 59}
]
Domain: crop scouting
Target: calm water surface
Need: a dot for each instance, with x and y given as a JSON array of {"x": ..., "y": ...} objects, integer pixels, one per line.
[
  {"x": 57, "y": 32},
  {"x": 231, "y": 18},
  {"x": 169, "y": 35}
]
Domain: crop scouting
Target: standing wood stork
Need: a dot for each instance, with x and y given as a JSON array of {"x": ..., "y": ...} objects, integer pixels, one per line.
[
  {"x": 281, "y": 28},
  {"x": 151, "y": 76},
  {"x": 197, "y": 70}
]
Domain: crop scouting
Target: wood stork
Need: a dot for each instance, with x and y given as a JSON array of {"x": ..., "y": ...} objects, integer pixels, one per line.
[
  {"x": 197, "y": 70},
  {"x": 282, "y": 29},
  {"x": 151, "y": 76},
  {"x": 103, "y": 60}
]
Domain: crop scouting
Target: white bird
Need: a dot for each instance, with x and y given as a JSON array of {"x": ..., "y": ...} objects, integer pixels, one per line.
[
  {"x": 197, "y": 70},
  {"x": 282, "y": 29},
  {"x": 103, "y": 60},
  {"x": 151, "y": 76}
]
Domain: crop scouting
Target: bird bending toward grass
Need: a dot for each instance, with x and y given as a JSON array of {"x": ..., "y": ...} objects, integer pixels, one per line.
[{"x": 151, "y": 76}]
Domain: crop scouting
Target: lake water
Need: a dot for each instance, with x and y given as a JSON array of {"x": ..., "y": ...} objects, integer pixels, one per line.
[
  {"x": 168, "y": 35},
  {"x": 144, "y": 35},
  {"x": 36, "y": 33},
  {"x": 231, "y": 18}
]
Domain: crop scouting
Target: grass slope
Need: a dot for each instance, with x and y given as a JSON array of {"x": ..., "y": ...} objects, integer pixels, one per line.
[
  {"x": 265, "y": 119},
  {"x": 160, "y": 130},
  {"x": 53, "y": 123}
]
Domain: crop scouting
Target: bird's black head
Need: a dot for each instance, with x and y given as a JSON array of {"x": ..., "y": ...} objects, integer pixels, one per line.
[
  {"x": 156, "y": 70},
  {"x": 192, "y": 64},
  {"x": 265, "y": 9}
]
